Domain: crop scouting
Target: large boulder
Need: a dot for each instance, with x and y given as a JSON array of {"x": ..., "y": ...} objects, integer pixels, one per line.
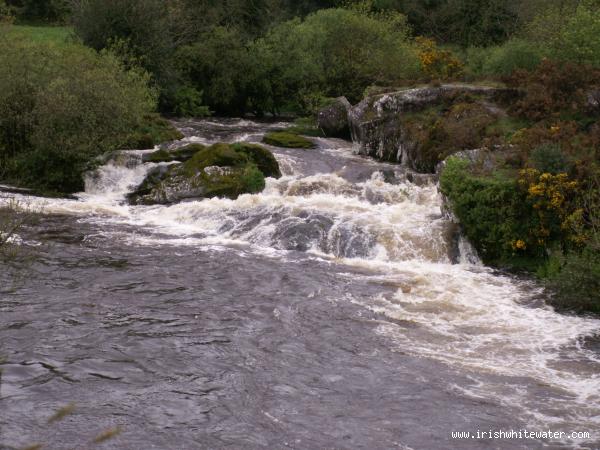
[
  {"x": 221, "y": 170},
  {"x": 333, "y": 118},
  {"x": 379, "y": 127}
]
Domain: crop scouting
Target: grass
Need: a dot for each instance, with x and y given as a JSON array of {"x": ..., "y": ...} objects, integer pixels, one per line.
[{"x": 38, "y": 34}]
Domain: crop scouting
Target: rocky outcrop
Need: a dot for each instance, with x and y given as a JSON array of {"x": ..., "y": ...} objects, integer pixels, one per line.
[
  {"x": 333, "y": 119},
  {"x": 378, "y": 128},
  {"x": 221, "y": 170}
]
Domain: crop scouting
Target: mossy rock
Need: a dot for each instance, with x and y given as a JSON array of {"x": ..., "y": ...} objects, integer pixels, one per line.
[
  {"x": 263, "y": 158},
  {"x": 287, "y": 140},
  {"x": 181, "y": 154},
  {"x": 221, "y": 170}
]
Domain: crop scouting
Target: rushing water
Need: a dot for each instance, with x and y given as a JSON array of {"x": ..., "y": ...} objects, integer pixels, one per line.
[{"x": 335, "y": 310}]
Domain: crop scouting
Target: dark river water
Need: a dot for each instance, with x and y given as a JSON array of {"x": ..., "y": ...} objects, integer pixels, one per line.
[{"x": 335, "y": 310}]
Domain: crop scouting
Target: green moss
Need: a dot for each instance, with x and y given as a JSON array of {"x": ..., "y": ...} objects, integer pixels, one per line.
[
  {"x": 152, "y": 131},
  {"x": 221, "y": 155},
  {"x": 263, "y": 158},
  {"x": 287, "y": 140},
  {"x": 181, "y": 154},
  {"x": 235, "y": 169}
]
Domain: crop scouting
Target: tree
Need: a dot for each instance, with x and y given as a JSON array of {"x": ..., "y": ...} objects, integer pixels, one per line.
[{"x": 62, "y": 106}]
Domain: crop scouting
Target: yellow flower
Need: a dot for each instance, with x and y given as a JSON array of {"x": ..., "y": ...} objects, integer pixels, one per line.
[{"x": 519, "y": 245}]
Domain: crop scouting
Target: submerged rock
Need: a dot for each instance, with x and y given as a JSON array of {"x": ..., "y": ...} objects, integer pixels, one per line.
[
  {"x": 333, "y": 119},
  {"x": 221, "y": 170},
  {"x": 378, "y": 126}
]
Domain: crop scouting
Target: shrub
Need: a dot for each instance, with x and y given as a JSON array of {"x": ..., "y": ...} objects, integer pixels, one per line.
[
  {"x": 555, "y": 216},
  {"x": 436, "y": 63},
  {"x": 152, "y": 131},
  {"x": 438, "y": 134},
  {"x": 219, "y": 65},
  {"x": 575, "y": 280},
  {"x": 579, "y": 40},
  {"x": 513, "y": 55},
  {"x": 552, "y": 89},
  {"x": 60, "y": 107},
  {"x": 42, "y": 10},
  {"x": 143, "y": 33},
  {"x": 333, "y": 52},
  {"x": 6, "y": 13},
  {"x": 550, "y": 158},
  {"x": 491, "y": 209},
  {"x": 569, "y": 33}
]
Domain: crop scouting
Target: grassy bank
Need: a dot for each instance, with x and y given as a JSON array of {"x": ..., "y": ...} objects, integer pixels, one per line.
[{"x": 40, "y": 34}]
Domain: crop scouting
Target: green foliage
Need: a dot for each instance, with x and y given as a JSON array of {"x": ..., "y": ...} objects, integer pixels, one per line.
[
  {"x": 491, "y": 209},
  {"x": 286, "y": 139},
  {"x": 351, "y": 51},
  {"x": 60, "y": 107},
  {"x": 298, "y": 63},
  {"x": 261, "y": 157},
  {"x": 575, "y": 279},
  {"x": 40, "y": 11},
  {"x": 219, "y": 65},
  {"x": 6, "y": 13},
  {"x": 549, "y": 158},
  {"x": 570, "y": 32},
  {"x": 252, "y": 180},
  {"x": 504, "y": 59},
  {"x": 579, "y": 41},
  {"x": 463, "y": 22},
  {"x": 143, "y": 33},
  {"x": 151, "y": 131}
]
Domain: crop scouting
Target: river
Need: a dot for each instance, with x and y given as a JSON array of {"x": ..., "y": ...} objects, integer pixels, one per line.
[{"x": 334, "y": 310}]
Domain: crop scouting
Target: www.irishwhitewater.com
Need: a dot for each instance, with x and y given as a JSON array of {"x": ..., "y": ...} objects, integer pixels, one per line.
[{"x": 520, "y": 434}]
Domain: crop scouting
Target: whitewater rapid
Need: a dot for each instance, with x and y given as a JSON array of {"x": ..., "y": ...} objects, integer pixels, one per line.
[{"x": 340, "y": 209}]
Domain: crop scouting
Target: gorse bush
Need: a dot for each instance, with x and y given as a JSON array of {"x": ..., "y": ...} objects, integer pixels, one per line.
[
  {"x": 60, "y": 107},
  {"x": 436, "y": 63}
]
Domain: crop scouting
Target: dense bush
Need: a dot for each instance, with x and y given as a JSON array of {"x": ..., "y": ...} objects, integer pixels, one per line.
[
  {"x": 219, "y": 65},
  {"x": 569, "y": 32},
  {"x": 553, "y": 89},
  {"x": 503, "y": 60},
  {"x": 336, "y": 52},
  {"x": 143, "y": 33},
  {"x": 52, "y": 11},
  {"x": 60, "y": 107},
  {"x": 491, "y": 209}
]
